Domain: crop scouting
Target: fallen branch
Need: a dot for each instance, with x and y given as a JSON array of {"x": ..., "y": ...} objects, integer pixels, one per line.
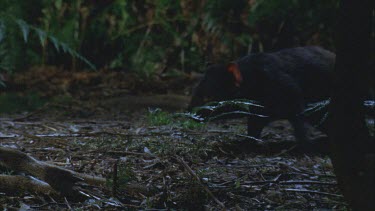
[
  {"x": 95, "y": 134},
  {"x": 59, "y": 179},
  {"x": 30, "y": 184}
]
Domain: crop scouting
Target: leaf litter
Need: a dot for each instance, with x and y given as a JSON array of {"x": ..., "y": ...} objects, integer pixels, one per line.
[{"x": 167, "y": 166}]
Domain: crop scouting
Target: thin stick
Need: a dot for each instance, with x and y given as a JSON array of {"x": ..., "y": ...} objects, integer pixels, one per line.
[
  {"x": 314, "y": 192},
  {"x": 195, "y": 176}
]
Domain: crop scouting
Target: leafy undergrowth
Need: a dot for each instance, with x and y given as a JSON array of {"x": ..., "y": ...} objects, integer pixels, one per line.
[{"x": 164, "y": 162}]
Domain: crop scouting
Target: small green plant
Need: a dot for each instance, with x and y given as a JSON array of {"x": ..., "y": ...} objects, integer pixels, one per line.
[
  {"x": 157, "y": 117},
  {"x": 191, "y": 124}
]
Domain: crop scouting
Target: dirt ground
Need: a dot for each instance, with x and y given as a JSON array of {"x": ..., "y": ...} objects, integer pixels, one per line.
[{"x": 155, "y": 161}]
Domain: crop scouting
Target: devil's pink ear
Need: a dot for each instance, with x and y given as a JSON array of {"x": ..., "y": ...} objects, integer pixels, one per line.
[{"x": 235, "y": 71}]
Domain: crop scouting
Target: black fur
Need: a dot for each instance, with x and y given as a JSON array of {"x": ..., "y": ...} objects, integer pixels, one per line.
[{"x": 283, "y": 81}]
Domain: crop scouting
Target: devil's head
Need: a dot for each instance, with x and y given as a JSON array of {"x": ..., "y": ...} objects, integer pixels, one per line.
[{"x": 220, "y": 82}]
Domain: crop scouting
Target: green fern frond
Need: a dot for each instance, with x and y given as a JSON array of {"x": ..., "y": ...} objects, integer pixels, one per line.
[
  {"x": 55, "y": 43},
  {"x": 42, "y": 35},
  {"x": 26, "y": 29},
  {"x": 66, "y": 49}
]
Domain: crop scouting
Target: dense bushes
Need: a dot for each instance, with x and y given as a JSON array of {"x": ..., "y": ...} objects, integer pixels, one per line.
[{"x": 156, "y": 36}]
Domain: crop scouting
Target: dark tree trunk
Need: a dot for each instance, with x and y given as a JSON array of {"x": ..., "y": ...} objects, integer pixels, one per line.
[{"x": 352, "y": 153}]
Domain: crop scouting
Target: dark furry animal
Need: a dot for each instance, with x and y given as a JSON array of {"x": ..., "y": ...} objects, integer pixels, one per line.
[{"x": 283, "y": 81}]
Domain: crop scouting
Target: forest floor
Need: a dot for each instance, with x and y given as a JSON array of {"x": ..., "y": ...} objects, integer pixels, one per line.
[{"x": 155, "y": 160}]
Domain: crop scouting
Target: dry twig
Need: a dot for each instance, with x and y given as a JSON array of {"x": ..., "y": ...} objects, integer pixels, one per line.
[{"x": 195, "y": 176}]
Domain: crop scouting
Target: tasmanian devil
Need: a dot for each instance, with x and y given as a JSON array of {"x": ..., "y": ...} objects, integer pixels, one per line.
[{"x": 282, "y": 81}]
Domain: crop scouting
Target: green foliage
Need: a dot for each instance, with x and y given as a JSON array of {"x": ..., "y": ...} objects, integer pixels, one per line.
[
  {"x": 306, "y": 22},
  {"x": 153, "y": 37},
  {"x": 158, "y": 117},
  {"x": 19, "y": 39},
  {"x": 8, "y": 62},
  {"x": 10, "y": 49},
  {"x": 191, "y": 124}
]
